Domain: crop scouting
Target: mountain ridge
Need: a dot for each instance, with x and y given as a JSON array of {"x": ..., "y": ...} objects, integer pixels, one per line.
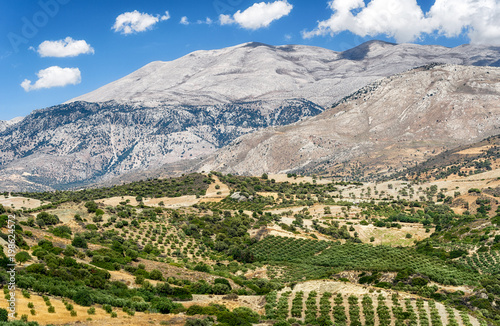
[{"x": 265, "y": 71}]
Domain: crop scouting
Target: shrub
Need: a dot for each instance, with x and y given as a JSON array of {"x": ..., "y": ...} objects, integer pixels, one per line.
[
  {"x": 194, "y": 310},
  {"x": 79, "y": 242},
  {"x": 83, "y": 298},
  {"x": 241, "y": 316},
  {"x": 91, "y": 311},
  {"x": 209, "y": 321},
  {"x": 73, "y": 313},
  {"x": 156, "y": 275},
  {"x": 107, "y": 308},
  {"x": 91, "y": 206},
  {"x": 52, "y": 310},
  {"x": 22, "y": 256},
  {"x": 4, "y": 314}
]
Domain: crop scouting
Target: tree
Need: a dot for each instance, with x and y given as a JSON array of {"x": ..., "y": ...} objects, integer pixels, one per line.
[
  {"x": 79, "y": 242},
  {"x": 83, "y": 298},
  {"x": 156, "y": 275},
  {"x": 91, "y": 206},
  {"x": 22, "y": 256},
  {"x": 4, "y": 314}
]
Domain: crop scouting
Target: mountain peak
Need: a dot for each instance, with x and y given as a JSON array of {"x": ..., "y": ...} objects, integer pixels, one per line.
[{"x": 360, "y": 52}]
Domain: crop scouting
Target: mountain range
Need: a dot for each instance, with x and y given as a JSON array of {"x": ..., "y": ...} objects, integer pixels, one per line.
[{"x": 222, "y": 109}]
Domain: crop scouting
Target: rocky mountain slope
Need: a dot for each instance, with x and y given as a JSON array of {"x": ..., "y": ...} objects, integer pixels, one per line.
[
  {"x": 76, "y": 144},
  {"x": 179, "y": 112},
  {"x": 256, "y": 71},
  {"x": 388, "y": 125}
]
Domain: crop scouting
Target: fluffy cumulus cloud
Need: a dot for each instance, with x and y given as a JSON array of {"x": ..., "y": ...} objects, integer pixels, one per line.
[
  {"x": 405, "y": 21},
  {"x": 64, "y": 48},
  {"x": 53, "y": 77},
  {"x": 258, "y": 15},
  {"x": 184, "y": 20},
  {"x": 135, "y": 22}
]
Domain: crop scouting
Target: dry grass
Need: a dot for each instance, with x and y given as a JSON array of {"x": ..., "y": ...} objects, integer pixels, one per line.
[{"x": 63, "y": 317}]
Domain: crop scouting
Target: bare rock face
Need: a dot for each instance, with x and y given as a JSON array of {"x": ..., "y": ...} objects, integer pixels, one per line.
[
  {"x": 388, "y": 125},
  {"x": 80, "y": 143}
]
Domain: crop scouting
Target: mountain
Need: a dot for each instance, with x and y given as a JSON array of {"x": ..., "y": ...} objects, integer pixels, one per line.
[
  {"x": 74, "y": 144},
  {"x": 178, "y": 113},
  {"x": 389, "y": 125},
  {"x": 256, "y": 71},
  {"x": 4, "y": 124}
]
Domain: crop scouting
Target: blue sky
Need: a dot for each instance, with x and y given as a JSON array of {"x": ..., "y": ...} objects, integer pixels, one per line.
[{"x": 99, "y": 48}]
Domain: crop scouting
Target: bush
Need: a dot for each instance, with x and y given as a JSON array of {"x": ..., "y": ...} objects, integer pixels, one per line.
[
  {"x": 79, "y": 242},
  {"x": 202, "y": 268},
  {"x": 83, "y": 298},
  {"x": 194, "y": 310},
  {"x": 4, "y": 314},
  {"x": 156, "y": 275},
  {"x": 22, "y": 256},
  {"x": 91, "y": 206},
  {"x": 241, "y": 316},
  {"x": 107, "y": 308},
  {"x": 209, "y": 321},
  {"x": 91, "y": 311}
]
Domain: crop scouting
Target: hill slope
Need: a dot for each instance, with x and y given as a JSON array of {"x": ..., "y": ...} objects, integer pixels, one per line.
[{"x": 394, "y": 123}]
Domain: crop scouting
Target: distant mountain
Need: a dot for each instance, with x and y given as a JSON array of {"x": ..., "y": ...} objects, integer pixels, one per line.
[
  {"x": 4, "y": 124},
  {"x": 256, "y": 71},
  {"x": 392, "y": 124},
  {"x": 186, "y": 109}
]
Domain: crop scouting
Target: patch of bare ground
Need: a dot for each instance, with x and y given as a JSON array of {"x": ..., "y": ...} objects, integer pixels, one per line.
[
  {"x": 62, "y": 316},
  {"x": 214, "y": 193},
  {"x": 20, "y": 202}
]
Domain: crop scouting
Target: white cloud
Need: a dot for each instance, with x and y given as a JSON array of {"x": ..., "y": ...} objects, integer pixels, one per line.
[
  {"x": 225, "y": 20},
  {"x": 166, "y": 16},
  {"x": 258, "y": 15},
  {"x": 53, "y": 77},
  {"x": 480, "y": 19},
  {"x": 135, "y": 22},
  {"x": 207, "y": 21},
  {"x": 64, "y": 48},
  {"x": 184, "y": 20},
  {"x": 405, "y": 21}
]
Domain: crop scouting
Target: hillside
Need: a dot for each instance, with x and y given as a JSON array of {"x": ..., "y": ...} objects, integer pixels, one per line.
[
  {"x": 76, "y": 144},
  {"x": 389, "y": 125},
  {"x": 248, "y": 250}
]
